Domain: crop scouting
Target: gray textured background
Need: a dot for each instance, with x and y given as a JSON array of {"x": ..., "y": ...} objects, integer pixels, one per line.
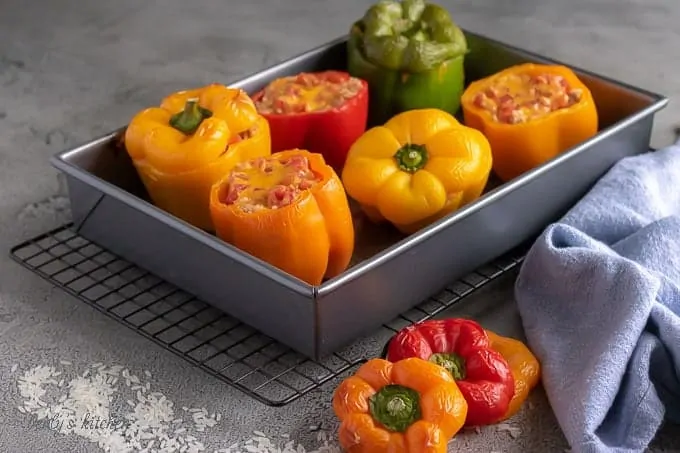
[{"x": 70, "y": 70}]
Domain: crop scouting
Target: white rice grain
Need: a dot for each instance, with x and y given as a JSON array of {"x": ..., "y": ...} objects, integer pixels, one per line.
[{"x": 149, "y": 423}]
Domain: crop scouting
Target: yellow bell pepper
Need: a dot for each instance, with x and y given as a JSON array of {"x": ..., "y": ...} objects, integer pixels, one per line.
[
  {"x": 190, "y": 142},
  {"x": 530, "y": 113},
  {"x": 417, "y": 168}
]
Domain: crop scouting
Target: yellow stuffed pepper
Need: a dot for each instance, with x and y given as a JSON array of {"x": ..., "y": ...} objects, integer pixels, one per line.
[
  {"x": 190, "y": 142},
  {"x": 530, "y": 113},
  {"x": 417, "y": 168}
]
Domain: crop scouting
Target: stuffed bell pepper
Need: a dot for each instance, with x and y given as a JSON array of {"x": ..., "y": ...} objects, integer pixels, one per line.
[
  {"x": 191, "y": 141},
  {"x": 322, "y": 112},
  {"x": 411, "y": 54},
  {"x": 417, "y": 168},
  {"x": 526, "y": 370},
  {"x": 530, "y": 113},
  {"x": 410, "y": 406},
  {"x": 289, "y": 210},
  {"x": 463, "y": 348}
]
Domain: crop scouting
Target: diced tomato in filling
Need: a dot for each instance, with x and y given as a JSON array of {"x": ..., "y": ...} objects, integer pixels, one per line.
[
  {"x": 307, "y": 92},
  {"x": 518, "y": 98},
  {"x": 268, "y": 183}
]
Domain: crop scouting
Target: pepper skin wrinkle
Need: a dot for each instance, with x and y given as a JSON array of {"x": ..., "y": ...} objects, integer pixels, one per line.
[
  {"x": 525, "y": 367},
  {"x": 410, "y": 406},
  {"x": 463, "y": 348},
  {"x": 412, "y": 54}
]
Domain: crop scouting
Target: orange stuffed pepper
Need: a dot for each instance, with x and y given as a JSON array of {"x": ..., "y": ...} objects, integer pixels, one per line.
[
  {"x": 191, "y": 141},
  {"x": 289, "y": 210},
  {"x": 410, "y": 406},
  {"x": 530, "y": 113}
]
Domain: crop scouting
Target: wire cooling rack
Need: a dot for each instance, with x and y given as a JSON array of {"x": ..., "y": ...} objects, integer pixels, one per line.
[{"x": 204, "y": 336}]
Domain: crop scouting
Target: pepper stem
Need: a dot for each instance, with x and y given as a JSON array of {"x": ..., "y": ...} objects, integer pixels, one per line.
[
  {"x": 188, "y": 120},
  {"x": 395, "y": 407},
  {"x": 411, "y": 158},
  {"x": 454, "y": 363}
]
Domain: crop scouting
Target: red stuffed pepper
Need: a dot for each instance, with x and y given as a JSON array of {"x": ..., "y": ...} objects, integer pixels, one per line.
[
  {"x": 462, "y": 347},
  {"x": 323, "y": 112}
]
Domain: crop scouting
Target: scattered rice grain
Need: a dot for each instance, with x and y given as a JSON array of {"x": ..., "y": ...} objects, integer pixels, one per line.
[
  {"x": 513, "y": 431},
  {"x": 149, "y": 423}
]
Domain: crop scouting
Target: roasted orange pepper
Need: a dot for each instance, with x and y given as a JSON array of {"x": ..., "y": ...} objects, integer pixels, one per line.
[
  {"x": 410, "y": 406},
  {"x": 192, "y": 140},
  {"x": 417, "y": 168},
  {"x": 289, "y": 210},
  {"x": 524, "y": 366},
  {"x": 563, "y": 114}
]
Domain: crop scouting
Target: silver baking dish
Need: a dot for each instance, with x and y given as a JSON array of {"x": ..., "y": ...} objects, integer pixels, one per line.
[{"x": 390, "y": 273}]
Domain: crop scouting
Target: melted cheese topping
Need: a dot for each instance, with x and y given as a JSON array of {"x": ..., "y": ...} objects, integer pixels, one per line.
[
  {"x": 519, "y": 98},
  {"x": 269, "y": 183},
  {"x": 307, "y": 92}
]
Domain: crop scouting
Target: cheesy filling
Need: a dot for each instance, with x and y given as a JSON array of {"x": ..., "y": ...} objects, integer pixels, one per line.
[
  {"x": 306, "y": 93},
  {"x": 269, "y": 183},
  {"x": 519, "y": 98}
]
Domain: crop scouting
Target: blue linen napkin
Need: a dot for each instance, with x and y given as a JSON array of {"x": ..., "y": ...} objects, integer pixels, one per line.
[{"x": 599, "y": 298}]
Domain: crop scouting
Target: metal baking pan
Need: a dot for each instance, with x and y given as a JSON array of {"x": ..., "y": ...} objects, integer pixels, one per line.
[{"x": 390, "y": 273}]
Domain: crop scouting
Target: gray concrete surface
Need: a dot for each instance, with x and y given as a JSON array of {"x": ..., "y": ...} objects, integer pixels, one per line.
[{"x": 70, "y": 70}]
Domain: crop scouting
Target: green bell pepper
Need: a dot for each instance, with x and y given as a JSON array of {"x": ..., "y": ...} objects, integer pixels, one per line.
[{"x": 411, "y": 54}]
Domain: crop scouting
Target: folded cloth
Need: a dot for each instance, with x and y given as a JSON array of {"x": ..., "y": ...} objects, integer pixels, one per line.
[{"x": 599, "y": 298}]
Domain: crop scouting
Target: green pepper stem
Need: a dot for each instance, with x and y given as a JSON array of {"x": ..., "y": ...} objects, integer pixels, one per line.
[
  {"x": 454, "y": 363},
  {"x": 411, "y": 158},
  {"x": 188, "y": 120},
  {"x": 395, "y": 407}
]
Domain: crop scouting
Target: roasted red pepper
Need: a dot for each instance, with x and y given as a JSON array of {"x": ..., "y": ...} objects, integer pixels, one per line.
[
  {"x": 462, "y": 347},
  {"x": 322, "y": 112}
]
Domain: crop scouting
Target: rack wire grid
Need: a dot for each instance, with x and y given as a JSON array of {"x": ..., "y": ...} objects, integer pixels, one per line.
[{"x": 204, "y": 336}]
